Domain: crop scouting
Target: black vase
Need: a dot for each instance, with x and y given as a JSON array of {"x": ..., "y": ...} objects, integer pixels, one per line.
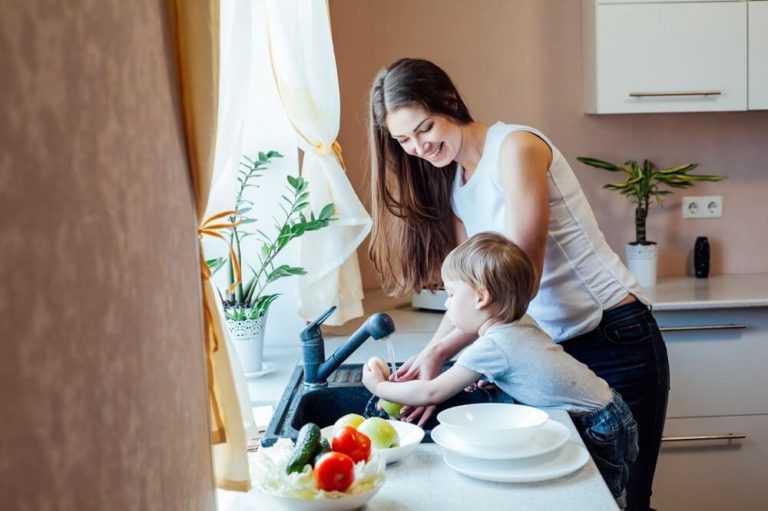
[{"x": 701, "y": 257}]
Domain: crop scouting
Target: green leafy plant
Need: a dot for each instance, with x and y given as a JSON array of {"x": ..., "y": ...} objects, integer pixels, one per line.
[
  {"x": 247, "y": 299},
  {"x": 643, "y": 184}
]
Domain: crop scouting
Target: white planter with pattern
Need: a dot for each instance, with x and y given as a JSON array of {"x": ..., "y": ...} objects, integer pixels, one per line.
[
  {"x": 248, "y": 337},
  {"x": 642, "y": 260}
]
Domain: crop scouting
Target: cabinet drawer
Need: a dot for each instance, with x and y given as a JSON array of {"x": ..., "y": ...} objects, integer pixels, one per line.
[
  {"x": 716, "y": 370},
  {"x": 758, "y": 55},
  {"x": 668, "y": 57},
  {"x": 713, "y": 474}
]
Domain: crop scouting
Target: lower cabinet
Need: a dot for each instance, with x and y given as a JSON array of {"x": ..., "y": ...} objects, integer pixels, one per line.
[
  {"x": 713, "y": 463},
  {"x": 715, "y": 453}
]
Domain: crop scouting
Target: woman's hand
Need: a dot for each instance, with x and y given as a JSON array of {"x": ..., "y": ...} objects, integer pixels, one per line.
[
  {"x": 480, "y": 385},
  {"x": 425, "y": 366}
]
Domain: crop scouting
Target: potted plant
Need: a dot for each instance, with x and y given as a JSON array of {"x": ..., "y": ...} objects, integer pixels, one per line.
[
  {"x": 246, "y": 300},
  {"x": 643, "y": 184}
]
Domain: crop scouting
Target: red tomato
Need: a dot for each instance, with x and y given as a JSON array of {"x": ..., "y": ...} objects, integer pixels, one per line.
[
  {"x": 334, "y": 471},
  {"x": 351, "y": 442}
]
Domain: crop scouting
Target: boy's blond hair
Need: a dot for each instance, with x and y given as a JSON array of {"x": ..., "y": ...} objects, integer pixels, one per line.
[{"x": 491, "y": 261}]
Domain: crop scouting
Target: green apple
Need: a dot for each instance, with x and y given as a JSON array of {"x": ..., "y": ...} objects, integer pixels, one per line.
[
  {"x": 392, "y": 409},
  {"x": 350, "y": 419},
  {"x": 383, "y": 435}
]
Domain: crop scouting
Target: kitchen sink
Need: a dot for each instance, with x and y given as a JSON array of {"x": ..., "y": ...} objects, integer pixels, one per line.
[{"x": 345, "y": 394}]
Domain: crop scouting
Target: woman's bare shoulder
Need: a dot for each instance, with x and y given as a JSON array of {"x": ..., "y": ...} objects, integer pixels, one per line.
[{"x": 526, "y": 148}]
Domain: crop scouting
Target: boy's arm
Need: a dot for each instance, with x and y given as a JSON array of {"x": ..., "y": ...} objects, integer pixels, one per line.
[{"x": 420, "y": 392}]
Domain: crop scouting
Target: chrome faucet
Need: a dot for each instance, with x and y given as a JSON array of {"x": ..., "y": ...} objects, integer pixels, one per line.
[{"x": 316, "y": 368}]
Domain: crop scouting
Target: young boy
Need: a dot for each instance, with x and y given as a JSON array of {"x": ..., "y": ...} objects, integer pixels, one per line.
[{"x": 489, "y": 281}]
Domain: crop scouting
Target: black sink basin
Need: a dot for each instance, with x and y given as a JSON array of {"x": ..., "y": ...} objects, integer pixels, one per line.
[{"x": 344, "y": 394}]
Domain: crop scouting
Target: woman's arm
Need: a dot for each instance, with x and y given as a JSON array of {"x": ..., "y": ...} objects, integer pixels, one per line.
[
  {"x": 524, "y": 161},
  {"x": 419, "y": 392},
  {"x": 445, "y": 343}
]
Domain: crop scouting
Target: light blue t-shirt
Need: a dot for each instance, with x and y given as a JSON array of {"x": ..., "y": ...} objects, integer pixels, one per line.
[{"x": 523, "y": 361}]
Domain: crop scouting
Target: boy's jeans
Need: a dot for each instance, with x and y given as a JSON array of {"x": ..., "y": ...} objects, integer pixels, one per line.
[
  {"x": 627, "y": 351},
  {"x": 610, "y": 434}
]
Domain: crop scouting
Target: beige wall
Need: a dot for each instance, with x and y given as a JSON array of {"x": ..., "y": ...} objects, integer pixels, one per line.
[
  {"x": 102, "y": 371},
  {"x": 520, "y": 61}
]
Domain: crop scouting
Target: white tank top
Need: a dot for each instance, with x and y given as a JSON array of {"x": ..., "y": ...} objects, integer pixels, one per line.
[{"x": 582, "y": 275}]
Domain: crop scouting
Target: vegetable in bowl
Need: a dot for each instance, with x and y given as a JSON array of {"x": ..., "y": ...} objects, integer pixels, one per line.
[{"x": 271, "y": 477}]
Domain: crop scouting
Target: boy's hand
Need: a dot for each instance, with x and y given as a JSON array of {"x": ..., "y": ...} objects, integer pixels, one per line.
[{"x": 372, "y": 376}]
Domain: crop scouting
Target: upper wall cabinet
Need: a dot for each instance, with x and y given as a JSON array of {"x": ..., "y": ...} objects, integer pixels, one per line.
[
  {"x": 758, "y": 55},
  {"x": 674, "y": 56}
]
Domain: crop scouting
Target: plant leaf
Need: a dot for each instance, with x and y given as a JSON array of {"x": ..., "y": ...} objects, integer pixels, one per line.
[{"x": 600, "y": 164}]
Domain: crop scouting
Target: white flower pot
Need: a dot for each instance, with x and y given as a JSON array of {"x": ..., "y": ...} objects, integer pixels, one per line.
[
  {"x": 641, "y": 260},
  {"x": 248, "y": 337}
]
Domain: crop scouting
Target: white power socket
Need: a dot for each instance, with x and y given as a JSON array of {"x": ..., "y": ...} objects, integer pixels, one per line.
[{"x": 710, "y": 206}]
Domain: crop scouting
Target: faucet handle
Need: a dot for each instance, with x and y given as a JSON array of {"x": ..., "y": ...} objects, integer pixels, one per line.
[{"x": 313, "y": 329}]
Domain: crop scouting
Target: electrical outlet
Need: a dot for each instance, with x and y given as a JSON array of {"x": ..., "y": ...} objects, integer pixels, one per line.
[{"x": 710, "y": 206}]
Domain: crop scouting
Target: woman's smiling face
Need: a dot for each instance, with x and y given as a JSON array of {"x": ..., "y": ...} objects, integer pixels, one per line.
[{"x": 432, "y": 137}]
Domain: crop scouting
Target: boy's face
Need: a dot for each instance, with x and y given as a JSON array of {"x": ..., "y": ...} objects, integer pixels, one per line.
[{"x": 462, "y": 306}]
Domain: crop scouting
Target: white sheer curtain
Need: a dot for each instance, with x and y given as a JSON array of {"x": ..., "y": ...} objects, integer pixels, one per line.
[
  {"x": 230, "y": 459},
  {"x": 304, "y": 69}
]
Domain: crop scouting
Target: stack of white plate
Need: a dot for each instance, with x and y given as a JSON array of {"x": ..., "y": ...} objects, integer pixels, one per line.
[{"x": 546, "y": 454}]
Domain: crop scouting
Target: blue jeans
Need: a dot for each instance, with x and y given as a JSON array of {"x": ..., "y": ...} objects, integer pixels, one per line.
[
  {"x": 610, "y": 434},
  {"x": 627, "y": 351}
]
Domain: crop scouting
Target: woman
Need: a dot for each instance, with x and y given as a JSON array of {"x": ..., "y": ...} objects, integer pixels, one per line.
[{"x": 438, "y": 177}]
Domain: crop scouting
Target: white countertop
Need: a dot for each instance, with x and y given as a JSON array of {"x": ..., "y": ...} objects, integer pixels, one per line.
[
  {"x": 715, "y": 292},
  {"x": 423, "y": 481}
]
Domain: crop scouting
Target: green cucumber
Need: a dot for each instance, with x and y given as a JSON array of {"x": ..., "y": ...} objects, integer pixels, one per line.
[
  {"x": 307, "y": 444},
  {"x": 324, "y": 447}
]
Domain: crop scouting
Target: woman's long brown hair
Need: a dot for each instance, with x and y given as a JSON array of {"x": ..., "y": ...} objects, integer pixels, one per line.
[{"x": 410, "y": 197}]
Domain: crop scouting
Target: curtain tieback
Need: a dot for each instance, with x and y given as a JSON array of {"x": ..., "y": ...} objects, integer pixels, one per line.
[
  {"x": 335, "y": 147},
  {"x": 212, "y": 226}
]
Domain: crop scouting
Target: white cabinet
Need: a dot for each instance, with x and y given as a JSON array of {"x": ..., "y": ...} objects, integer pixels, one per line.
[
  {"x": 716, "y": 447},
  {"x": 714, "y": 463},
  {"x": 664, "y": 56},
  {"x": 758, "y": 54},
  {"x": 716, "y": 359}
]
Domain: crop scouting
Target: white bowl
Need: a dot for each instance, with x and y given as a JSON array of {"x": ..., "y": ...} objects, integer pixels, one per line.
[
  {"x": 343, "y": 503},
  {"x": 499, "y": 425},
  {"x": 410, "y": 436}
]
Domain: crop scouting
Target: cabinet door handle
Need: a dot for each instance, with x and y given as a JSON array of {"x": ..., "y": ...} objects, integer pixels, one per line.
[
  {"x": 696, "y": 438},
  {"x": 675, "y": 93},
  {"x": 732, "y": 326}
]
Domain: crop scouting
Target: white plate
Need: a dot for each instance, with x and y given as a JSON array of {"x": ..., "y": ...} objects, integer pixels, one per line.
[
  {"x": 410, "y": 437},
  {"x": 538, "y": 468},
  {"x": 344, "y": 503},
  {"x": 551, "y": 436}
]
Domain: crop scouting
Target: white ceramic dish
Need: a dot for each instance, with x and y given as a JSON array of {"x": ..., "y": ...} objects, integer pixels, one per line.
[
  {"x": 493, "y": 425},
  {"x": 410, "y": 436},
  {"x": 538, "y": 468},
  {"x": 551, "y": 436},
  {"x": 345, "y": 503}
]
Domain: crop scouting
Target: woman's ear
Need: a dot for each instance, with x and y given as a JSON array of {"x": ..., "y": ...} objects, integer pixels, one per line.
[{"x": 483, "y": 298}]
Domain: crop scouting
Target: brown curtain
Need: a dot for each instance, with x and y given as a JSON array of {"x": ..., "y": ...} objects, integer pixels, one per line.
[{"x": 197, "y": 32}]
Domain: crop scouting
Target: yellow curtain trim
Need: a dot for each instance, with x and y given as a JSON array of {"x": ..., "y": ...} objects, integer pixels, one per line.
[
  {"x": 209, "y": 228},
  {"x": 335, "y": 148},
  {"x": 218, "y": 432}
]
